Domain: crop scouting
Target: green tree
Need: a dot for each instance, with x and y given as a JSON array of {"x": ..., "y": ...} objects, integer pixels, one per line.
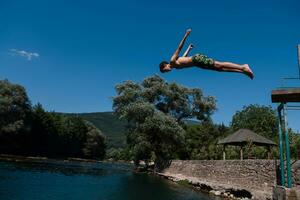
[
  {"x": 95, "y": 144},
  {"x": 171, "y": 98},
  {"x": 34, "y": 131},
  {"x": 163, "y": 135},
  {"x": 74, "y": 136},
  {"x": 14, "y": 111},
  {"x": 56, "y": 135},
  {"x": 46, "y": 128},
  {"x": 258, "y": 118},
  {"x": 294, "y": 144},
  {"x": 155, "y": 110},
  {"x": 201, "y": 141}
]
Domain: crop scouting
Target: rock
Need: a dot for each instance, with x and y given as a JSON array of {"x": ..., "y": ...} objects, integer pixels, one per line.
[
  {"x": 214, "y": 192},
  {"x": 175, "y": 179}
]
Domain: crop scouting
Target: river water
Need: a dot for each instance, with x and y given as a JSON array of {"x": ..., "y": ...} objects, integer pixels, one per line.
[{"x": 59, "y": 180}]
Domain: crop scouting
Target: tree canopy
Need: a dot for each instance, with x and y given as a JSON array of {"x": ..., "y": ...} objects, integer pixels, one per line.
[
  {"x": 155, "y": 110},
  {"x": 14, "y": 107},
  {"x": 14, "y": 112},
  {"x": 258, "y": 118},
  {"x": 33, "y": 131},
  {"x": 201, "y": 141},
  {"x": 261, "y": 120},
  {"x": 173, "y": 99}
]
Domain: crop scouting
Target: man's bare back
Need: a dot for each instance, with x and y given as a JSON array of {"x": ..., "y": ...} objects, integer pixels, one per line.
[{"x": 202, "y": 61}]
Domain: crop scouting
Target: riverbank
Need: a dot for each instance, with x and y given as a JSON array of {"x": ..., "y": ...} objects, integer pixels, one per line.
[
  {"x": 216, "y": 189},
  {"x": 19, "y": 158},
  {"x": 231, "y": 178}
]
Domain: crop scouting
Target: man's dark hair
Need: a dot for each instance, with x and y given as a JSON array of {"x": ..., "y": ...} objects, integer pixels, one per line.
[{"x": 162, "y": 66}]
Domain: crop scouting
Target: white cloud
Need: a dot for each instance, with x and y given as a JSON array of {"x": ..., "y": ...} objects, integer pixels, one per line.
[{"x": 26, "y": 54}]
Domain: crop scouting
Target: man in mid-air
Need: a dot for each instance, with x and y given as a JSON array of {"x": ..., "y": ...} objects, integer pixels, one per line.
[{"x": 202, "y": 61}]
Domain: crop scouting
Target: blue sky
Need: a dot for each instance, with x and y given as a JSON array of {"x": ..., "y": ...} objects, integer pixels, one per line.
[{"x": 84, "y": 48}]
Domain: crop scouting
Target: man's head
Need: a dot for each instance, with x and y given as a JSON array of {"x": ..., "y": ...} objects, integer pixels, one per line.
[{"x": 164, "y": 67}]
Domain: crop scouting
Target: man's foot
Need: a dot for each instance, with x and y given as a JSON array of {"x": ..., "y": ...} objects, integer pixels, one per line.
[{"x": 248, "y": 71}]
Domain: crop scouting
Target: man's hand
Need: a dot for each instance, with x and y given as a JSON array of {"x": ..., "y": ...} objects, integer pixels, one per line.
[{"x": 188, "y": 31}]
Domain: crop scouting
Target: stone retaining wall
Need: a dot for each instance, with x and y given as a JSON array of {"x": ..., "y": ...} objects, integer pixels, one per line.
[{"x": 255, "y": 176}]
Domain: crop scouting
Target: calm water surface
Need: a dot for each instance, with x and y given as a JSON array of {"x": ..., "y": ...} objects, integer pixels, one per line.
[{"x": 50, "y": 180}]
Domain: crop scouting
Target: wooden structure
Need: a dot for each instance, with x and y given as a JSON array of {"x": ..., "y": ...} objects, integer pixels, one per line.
[
  {"x": 284, "y": 96},
  {"x": 242, "y": 137}
]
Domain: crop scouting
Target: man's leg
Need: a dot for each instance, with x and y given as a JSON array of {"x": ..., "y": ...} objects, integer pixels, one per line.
[
  {"x": 188, "y": 50},
  {"x": 233, "y": 67}
]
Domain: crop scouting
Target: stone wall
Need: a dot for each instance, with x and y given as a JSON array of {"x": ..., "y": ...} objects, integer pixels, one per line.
[{"x": 255, "y": 176}]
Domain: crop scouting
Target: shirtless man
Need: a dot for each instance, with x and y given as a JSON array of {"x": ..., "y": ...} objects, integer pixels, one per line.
[{"x": 202, "y": 61}]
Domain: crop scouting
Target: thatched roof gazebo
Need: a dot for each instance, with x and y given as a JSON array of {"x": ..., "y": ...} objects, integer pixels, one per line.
[{"x": 242, "y": 137}]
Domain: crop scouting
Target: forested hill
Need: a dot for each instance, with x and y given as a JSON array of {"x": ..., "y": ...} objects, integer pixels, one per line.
[{"x": 109, "y": 124}]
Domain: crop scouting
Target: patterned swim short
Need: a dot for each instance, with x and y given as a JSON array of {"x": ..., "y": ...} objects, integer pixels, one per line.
[{"x": 201, "y": 60}]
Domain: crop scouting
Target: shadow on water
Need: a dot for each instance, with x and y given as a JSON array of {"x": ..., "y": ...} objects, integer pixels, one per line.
[
  {"x": 68, "y": 168},
  {"x": 143, "y": 186},
  {"x": 45, "y": 180}
]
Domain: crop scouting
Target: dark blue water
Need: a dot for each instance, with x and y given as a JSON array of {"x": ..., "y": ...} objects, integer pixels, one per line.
[{"x": 50, "y": 180}]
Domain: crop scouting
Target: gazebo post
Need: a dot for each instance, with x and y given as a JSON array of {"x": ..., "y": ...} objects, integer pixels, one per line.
[
  {"x": 269, "y": 152},
  {"x": 241, "y": 152},
  {"x": 224, "y": 152}
]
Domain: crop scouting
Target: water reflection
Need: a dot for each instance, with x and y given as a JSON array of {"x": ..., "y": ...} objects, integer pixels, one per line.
[
  {"x": 68, "y": 168},
  {"x": 142, "y": 186},
  {"x": 47, "y": 180}
]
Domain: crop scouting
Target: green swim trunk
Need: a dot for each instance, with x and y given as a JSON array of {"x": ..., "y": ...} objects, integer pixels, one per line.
[{"x": 203, "y": 61}]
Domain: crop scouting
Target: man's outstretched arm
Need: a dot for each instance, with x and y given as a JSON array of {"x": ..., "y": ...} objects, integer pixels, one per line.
[
  {"x": 188, "y": 50},
  {"x": 176, "y": 53}
]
